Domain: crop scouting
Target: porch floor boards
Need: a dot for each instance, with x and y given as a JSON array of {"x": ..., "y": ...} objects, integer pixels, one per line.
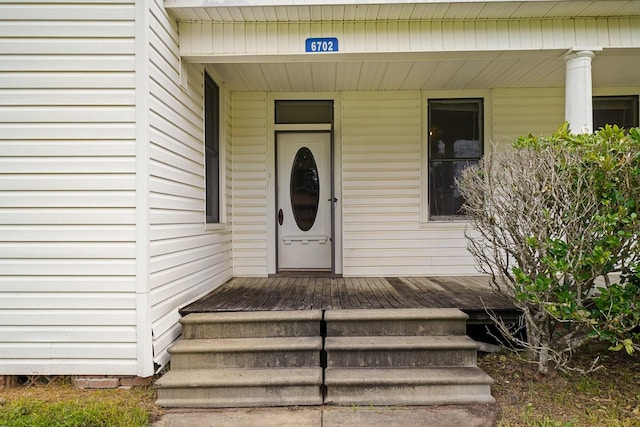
[{"x": 471, "y": 294}]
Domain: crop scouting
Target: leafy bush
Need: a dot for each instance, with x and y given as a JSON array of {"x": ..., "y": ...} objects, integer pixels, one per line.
[{"x": 554, "y": 221}]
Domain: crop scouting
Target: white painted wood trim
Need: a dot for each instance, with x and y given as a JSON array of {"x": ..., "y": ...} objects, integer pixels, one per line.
[
  {"x": 271, "y": 168},
  {"x": 222, "y": 152},
  {"x": 144, "y": 347},
  {"x": 272, "y": 242},
  {"x": 257, "y": 41},
  {"x": 337, "y": 176}
]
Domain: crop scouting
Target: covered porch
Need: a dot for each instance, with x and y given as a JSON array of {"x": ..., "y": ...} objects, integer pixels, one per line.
[
  {"x": 491, "y": 73},
  {"x": 470, "y": 294}
]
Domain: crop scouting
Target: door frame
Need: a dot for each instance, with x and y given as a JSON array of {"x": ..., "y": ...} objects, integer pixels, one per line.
[{"x": 336, "y": 174}]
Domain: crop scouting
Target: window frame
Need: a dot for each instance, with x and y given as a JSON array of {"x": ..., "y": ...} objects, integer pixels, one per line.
[
  {"x": 212, "y": 150},
  {"x": 634, "y": 109},
  {"x": 484, "y": 102}
]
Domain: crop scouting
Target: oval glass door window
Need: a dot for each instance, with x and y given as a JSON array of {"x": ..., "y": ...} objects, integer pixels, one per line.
[{"x": 304, "y": 189}]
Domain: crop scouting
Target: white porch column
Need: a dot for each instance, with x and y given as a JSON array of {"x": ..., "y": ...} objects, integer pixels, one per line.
[{"x": 578, "y": 106}]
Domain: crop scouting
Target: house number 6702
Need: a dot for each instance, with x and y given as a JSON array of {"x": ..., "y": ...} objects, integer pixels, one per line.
[
  {"x": 328, "y": 44},
  {"x": 323, "y": 46}
]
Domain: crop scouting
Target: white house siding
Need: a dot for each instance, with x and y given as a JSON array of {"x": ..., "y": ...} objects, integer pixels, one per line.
[
  {"x": 67, "y": 188},
  {"x": 186, "y": 258},
  {"x": 536, "y": 111},
  {"x": 383, "y": 234},
  {"x": 518, "y": 112},
  {"x": 382, "y": 139},
  {"x": 250, "y": 179}
]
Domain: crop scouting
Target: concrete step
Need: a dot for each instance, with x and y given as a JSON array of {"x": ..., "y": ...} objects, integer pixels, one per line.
[
  {"x": 414, "y": 386},
  {"x": 252, "y": 324},
  {"x": 396, "y": 351},
  {"x": 396, "y": 322},
  {"x": 246, "y": 353},
  {"x": 220, "y": 388},
  {"x": 373, "y": 357}
]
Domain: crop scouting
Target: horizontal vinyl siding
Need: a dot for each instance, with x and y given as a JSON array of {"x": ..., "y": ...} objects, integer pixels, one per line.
[
  {"x": 519, "y": 112},
  {"x": 67, "y": 188},
  {"x": 539, "y": 112},
  {"x": 249, "y": 184},
  {"x": 381, "y": 139},
  {"x": 186, "y": 261}
]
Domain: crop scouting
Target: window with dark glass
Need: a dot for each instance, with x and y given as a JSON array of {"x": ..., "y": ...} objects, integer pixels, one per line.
[
  {"x": 311, "y": 111},
  {"x": 305, "y": 189},
  {"x": 212, "y": 148},
  {"x": 455, "y": 142},
  {"x": 615, "y": 110}
]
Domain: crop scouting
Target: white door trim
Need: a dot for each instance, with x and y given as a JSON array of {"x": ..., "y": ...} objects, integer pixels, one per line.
[{"x": 271, "y": 211}]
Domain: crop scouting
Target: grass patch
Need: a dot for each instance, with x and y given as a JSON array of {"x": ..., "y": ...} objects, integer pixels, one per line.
[
  {"x": 607, "y": 397},
  {"x": 59, "y": 405}
]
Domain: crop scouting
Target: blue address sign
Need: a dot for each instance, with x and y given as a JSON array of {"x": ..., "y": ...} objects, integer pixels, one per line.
[{"x": 322, "y": 44}]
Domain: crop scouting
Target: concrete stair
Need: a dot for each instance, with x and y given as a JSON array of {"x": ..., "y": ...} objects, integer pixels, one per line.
[
  {"x": 245, "y": 359},
  {"x": 343, "y": 357},
  {"x": 402, "y": 357},
  {"x": 252, "y": 324},
  {"x": 223, "y": 388},
  {"x": 246, "y": 353}
]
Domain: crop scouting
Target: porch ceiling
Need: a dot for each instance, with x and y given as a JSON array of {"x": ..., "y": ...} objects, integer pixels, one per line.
[
  {"x": 391, "y": 10},
  {"x": 457, "y": 71}
]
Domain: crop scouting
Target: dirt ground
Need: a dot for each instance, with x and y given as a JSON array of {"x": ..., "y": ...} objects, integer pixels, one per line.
[{"x": 610, "y": 396}]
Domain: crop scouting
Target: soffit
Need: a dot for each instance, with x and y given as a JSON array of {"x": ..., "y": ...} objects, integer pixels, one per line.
[
  {"x": 391, "y": 10},
  {"x": 611, "y": 68}
]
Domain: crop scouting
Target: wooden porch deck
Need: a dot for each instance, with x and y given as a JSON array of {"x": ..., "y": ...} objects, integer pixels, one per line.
[{"x": 471, "y": 294}]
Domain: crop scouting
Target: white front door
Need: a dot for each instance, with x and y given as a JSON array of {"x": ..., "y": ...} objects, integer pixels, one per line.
[{"x": 304, "y": 201}]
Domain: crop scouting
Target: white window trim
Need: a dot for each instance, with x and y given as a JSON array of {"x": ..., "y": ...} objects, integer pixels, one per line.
[
  {"x": 425, "y": 95},
  {"x": 224, "y": 93}
]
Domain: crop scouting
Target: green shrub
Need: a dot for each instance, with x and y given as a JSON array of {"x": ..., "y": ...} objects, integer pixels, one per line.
[{"x": 554, "y": 221}]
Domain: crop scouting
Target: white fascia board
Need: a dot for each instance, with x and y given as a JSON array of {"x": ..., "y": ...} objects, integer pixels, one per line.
[{"x": 262, "y": 3}]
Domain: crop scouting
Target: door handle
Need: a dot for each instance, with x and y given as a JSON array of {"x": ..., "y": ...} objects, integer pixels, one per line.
[
  {"x": 332, "y": 200},
  {"x": 280, "y": 216}
]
